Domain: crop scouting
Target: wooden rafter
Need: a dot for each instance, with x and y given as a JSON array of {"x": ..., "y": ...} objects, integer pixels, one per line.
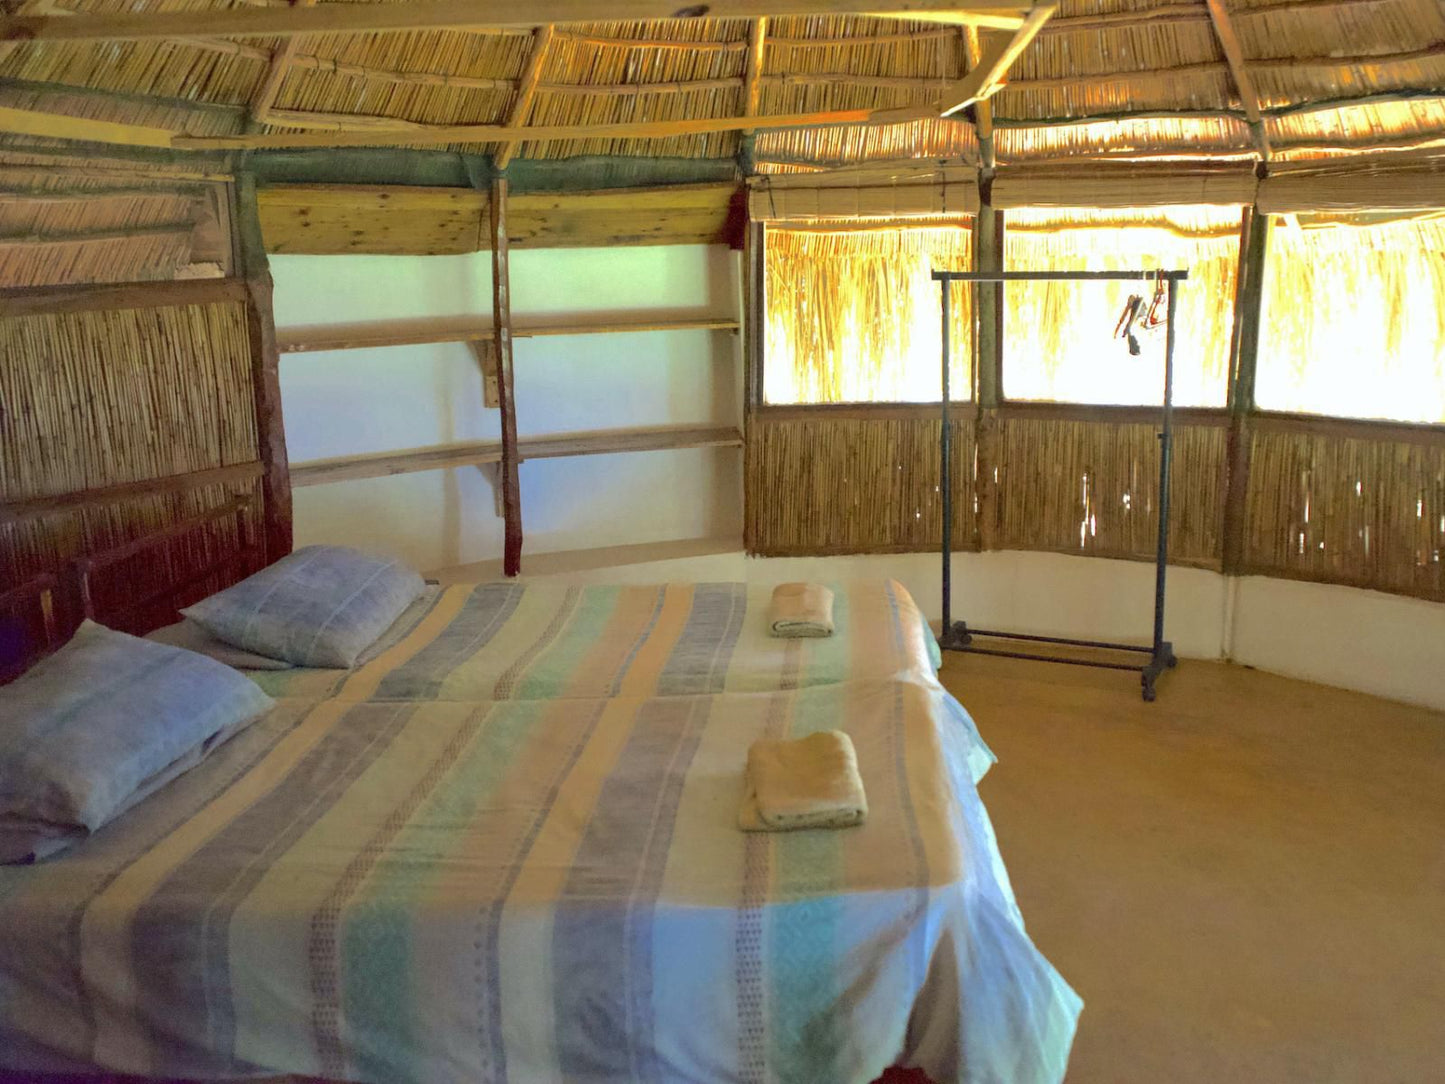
[
  {"x": 526, "y": 91},
  {"x": 982, "y": 110},
  {"x": 985, "y": 79},
  {"x": 753, "y": 81},
  {"x": 1234, "y": 54},
  {"x": 366, "y": 16},
  {"x": 265, "y": 96}
]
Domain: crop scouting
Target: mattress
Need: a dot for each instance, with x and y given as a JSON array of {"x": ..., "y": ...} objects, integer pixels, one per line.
[
  {"x": 516, "y": 641},
  {"x": 444, "y": 890}
]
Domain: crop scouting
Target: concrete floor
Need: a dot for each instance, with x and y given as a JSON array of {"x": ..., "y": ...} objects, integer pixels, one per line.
[{"x": 1244, "y": 880}]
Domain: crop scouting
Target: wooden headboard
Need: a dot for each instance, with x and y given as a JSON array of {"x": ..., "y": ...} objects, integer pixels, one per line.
[{"x": 140, "y": 440}]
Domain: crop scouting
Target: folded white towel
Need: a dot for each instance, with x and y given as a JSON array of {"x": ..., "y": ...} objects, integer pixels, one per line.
[
  {"x": 801, "y": 609},
  {"x": 812, "y": 782}
]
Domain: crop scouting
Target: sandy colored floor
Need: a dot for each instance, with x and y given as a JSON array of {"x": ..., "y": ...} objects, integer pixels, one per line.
[{"x": 1244, "y": 880}]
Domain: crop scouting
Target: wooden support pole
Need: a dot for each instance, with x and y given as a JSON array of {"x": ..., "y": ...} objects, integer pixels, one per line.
[
  {"x": 983, "y": 110},
  {"x": 265, "y": 371},
  {"x": 1244, "y": 363},
  {"x": 988, "y": 256},
  {"x": 502, "y": 336}
]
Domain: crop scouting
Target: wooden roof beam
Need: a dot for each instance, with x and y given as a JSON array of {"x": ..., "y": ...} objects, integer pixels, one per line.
[
  {"x": 1234, "y": 54},
  {"x": 371, "y": 17},
  {"x": 526, "y": 90},
  {"x": 987, "y": 77}
]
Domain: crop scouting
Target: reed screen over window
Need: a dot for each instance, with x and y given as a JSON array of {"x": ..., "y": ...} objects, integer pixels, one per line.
[
  {"x": 854, "y": 316},
  {"x": 1063, "y": 341},
  {"x": 1353, "y": 322}
]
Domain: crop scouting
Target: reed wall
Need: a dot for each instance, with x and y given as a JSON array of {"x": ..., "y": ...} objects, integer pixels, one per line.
[
  {"x": 122, "y": 422},
  {"x": 854, "y": 482},
  {"x": 1091, "y": 487},
  {"x": 1348, "y": 507}
]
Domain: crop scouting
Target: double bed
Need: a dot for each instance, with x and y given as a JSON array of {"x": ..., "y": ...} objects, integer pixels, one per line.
[{"x": 506, "y": 849}]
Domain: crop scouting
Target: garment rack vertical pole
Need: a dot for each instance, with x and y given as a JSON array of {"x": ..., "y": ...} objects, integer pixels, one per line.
[{"x": 956, "y": 635}]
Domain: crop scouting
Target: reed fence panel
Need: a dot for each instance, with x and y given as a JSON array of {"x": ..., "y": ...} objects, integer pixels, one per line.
[
  {"x": 110, "y": 397},
  {"x": 856, "y": 484},
  {"x": 1351, "y": 509}
]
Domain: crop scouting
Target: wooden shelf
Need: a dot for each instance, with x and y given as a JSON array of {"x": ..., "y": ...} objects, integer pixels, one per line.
[
  {"x": 363, "y": 337},
  {"x": 602, "y": 442}
]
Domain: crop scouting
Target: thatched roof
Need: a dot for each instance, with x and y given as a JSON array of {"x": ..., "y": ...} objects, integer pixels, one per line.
[{"x": 1242, "y": 79}]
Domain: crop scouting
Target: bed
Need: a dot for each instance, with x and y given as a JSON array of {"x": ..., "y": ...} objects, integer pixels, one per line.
[{"x": 523, "y": 864}]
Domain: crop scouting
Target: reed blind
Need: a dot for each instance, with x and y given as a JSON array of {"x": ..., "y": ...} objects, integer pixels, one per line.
[
  {"x": 1420, "y": 186},
  {"x": 923, "y": 191},
  {"x": 1137, "y": 186}
]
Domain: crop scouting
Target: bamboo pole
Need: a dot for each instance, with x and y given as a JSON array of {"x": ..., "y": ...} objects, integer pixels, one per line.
[
  {"x": 502, "y": 336},
  {"x": 372, "y": 17},
  {"x": 1243, "y": 82},
  {"x": 526, "y": 92}
]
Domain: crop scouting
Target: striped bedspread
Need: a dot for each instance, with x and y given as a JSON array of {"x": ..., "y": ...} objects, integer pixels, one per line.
[
  {"x": 440, "y": 890},
  {"x": 514, "y": 641}
]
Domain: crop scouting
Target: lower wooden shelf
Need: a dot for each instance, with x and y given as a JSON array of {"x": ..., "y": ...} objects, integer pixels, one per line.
[{"x": 316, "y": 472}]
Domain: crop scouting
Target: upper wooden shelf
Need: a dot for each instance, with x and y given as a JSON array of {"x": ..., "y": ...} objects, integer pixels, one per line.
[
  {"x": 602, "y": 442},
  {"x": 361, "y": 337}
]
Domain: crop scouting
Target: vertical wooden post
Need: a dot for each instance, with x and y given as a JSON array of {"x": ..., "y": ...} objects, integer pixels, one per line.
[
  {"x": 1248, "y": 308},
  {"x": 502, "y": 336},
  {"x": 265, "y": 371},
  {"x": 988, "y": 358}
]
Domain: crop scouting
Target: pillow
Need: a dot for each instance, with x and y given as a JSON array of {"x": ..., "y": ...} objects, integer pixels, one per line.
[
  {"x": 192, "y": 637},
  {"x": 105, "y": 721},
  {"x": 320, "y": 606}
]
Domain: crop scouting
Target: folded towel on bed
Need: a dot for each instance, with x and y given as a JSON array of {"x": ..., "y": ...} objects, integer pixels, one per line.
[
  {"x": 801, "y": 609},
  {"x": 812, "y": 782}
]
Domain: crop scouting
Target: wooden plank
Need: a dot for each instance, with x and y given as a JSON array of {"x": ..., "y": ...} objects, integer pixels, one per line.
[
  {"x": 674, "y": 215},
  {"x": 526, "y": 91},
  {"x": 39, "y": 507},
  {"x": 477, "y": 453},
  {"x": 391, "y": 219},
  {"x": 317, "y": 472},
  {"x": 365, "y": 17},
  {"x": 506, "y": 398},
  {"x": 32, "y": 122},
  {"x": 612, "y": 442},
  {"x": 265, "y": 372},
  {"x": 988, "y": 76},
  {"x": 1234, "y": 54},
  {"x": 33, "y": 300},
  {"x": 328, "y": 219},
  {"x": 302, "y": 341}
]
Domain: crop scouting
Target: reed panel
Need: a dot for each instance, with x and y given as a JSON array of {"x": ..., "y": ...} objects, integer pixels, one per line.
[
  {"x": 112, "y": 397},
  {"x": 1357, "y": 510},
  {"x": 854, "y": 484},
  {"x": 1092, "y": 488}
]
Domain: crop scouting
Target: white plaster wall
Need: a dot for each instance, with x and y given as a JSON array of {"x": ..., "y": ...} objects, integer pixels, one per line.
[
  {"x": 1365, "y": 640},
  {"x": 357, "y": 401}
]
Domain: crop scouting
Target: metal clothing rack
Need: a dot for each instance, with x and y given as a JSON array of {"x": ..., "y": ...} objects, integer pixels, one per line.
[{"x": 956, "y": 635}]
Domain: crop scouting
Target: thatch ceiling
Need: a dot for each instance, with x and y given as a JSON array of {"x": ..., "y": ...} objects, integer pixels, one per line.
[{"x": 1103, "y": 78}]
